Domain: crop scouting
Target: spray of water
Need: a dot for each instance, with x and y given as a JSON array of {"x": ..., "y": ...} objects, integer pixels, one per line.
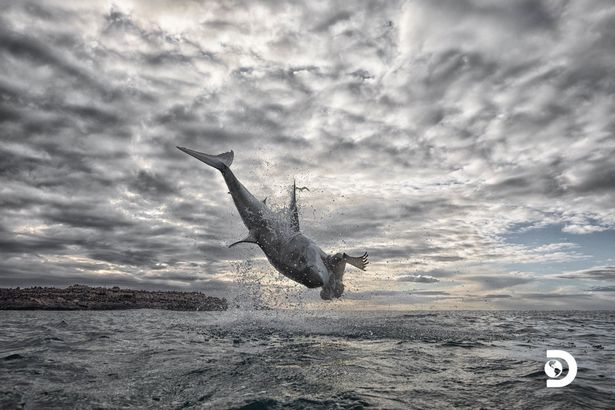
[{"x": 259, "y": 286}]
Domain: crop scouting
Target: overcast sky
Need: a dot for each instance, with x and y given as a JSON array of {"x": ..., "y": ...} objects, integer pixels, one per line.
[{"x": 468, "y": 146}]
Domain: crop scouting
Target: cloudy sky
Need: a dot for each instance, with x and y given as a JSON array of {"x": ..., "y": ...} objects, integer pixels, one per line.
[{"x": 467, "y": 145}]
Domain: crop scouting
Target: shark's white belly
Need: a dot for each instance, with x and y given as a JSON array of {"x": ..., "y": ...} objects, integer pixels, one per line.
[{"x": 297, "y": 258}]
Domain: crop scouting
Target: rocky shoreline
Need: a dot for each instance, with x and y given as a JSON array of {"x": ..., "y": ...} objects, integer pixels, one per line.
[{"x": 81, "y": 297}]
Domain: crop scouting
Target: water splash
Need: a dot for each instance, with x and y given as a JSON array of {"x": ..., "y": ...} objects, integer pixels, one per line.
[
  {"x": 265, "y": 289},
  {"x": 260, "y": 287}
]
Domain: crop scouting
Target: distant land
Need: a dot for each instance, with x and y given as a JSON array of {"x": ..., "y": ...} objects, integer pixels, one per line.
[{"x": 81, "y": 297}]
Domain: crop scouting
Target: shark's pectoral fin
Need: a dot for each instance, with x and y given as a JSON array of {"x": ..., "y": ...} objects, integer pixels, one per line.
[
  {"x": 360, "y": 262},
  {"x": 248, "y": 239}
]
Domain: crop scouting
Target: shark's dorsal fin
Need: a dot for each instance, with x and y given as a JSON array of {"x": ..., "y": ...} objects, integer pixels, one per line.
[
  {"x": 248, "y": 239},
  {"x": 294, "y": 211}
]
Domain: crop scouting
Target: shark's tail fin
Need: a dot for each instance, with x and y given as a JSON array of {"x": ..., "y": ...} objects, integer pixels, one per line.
[{"x": 220, "y": 162}]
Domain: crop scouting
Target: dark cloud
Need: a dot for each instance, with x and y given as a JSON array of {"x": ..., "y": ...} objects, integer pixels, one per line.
[
  {"x": 562, "y": 296},
  {"x": 126, "y": 257},
  {"x": 596, "y": 177},
  {"x": 441, "y": 273},
  {"x": 365, "y": 295},
  {"x": 23, "y": 46},
  {"x": 31, "y": 245},
  {"x": 422, "y": 138},
  {"x": 597, "y": 273},
  {"x": 332, "y": 20},
  {"x": 151, "y": 185},
  {"x": 431, "y": 293},
  {"x": 603, "y": 289},
  {"x": 211, "y": 287},
  {"x": 84, "y": 216},
  {"x": 547, "y": 183},
  {"x": 504, "y": 281}
]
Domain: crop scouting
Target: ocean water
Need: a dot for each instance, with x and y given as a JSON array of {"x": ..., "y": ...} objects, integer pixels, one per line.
[{"x": 294, "y": 359}]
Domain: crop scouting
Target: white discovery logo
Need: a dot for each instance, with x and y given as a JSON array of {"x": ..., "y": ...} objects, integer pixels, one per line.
[{"x": 554, "y": 368}]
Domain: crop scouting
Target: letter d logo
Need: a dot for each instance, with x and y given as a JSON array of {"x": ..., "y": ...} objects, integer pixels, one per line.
[{"x": 553, "y": 368}]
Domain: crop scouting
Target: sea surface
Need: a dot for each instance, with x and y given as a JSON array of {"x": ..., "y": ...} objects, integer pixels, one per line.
[{"x": 296, "y": 359}]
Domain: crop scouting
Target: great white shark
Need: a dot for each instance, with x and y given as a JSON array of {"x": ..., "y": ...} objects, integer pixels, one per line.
[{"x": 290, "y": 252}]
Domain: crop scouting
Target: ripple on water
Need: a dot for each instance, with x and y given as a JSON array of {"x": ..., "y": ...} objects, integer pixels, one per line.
[{"x": 281, "y": 359}]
